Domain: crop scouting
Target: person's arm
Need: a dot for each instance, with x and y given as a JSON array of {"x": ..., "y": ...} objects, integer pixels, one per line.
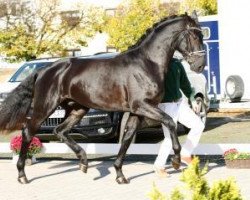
[
  {"x": 185, "y": 85},
  {"x": 186, "y": 88}
]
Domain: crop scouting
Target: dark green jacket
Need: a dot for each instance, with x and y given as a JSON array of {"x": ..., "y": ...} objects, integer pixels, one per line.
[{"x": 176, "y": 80}]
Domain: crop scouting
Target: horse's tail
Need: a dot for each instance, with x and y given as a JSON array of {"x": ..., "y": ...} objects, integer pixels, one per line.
[{"x": 15, "y": 107}]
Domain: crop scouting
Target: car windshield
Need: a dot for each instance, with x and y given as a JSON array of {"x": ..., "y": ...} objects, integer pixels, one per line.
[{"x": 26, "y": 69}]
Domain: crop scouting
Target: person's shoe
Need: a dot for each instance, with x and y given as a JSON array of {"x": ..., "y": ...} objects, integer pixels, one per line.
[
  {"x": 186, "y": 160},
  {"x": 161, "y": 172}
]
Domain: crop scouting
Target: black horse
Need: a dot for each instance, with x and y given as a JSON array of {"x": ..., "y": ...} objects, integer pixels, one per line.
[{"x": 130, "y": 82}]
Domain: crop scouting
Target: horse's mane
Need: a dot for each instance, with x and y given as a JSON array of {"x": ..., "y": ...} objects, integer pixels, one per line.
[{"x": 158, "y": 25}]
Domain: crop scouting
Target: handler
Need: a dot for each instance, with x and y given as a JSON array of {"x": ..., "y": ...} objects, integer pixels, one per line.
[{"x": 178, "y": 108}]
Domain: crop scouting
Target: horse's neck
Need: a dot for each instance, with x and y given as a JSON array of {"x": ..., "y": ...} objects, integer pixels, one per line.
[{"x": 160, "y": 47}]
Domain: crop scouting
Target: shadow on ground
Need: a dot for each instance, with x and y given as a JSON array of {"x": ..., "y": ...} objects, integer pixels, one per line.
[{"x": 106, "y": 165}]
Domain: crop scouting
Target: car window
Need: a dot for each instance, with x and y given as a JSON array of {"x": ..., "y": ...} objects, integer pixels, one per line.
[{"x": 26, "y": 69}]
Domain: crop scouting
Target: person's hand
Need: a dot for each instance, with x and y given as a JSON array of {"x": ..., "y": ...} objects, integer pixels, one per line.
[{"x": 195, "y": 106}]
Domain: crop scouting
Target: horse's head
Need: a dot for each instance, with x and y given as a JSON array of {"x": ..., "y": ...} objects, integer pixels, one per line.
[{"x": 190, "y": 44}]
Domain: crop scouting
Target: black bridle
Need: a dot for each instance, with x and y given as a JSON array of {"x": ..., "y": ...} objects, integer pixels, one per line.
[{"x": 190, "y": 53}]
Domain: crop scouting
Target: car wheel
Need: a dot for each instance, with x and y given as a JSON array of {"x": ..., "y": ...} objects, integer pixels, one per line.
[{"x": 234, "y": 88}]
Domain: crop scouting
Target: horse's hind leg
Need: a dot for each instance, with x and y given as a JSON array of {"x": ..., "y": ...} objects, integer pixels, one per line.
[
  {"x": 130, "y": 129},
  {"x": 74, "y": 115},
  {"x": 28, "y": 133},
  {"x": 26, "y": 139}
]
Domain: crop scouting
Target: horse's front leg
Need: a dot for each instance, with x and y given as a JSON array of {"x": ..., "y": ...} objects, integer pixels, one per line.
[
  {"x": 156, "y": 114},
  {"x": 26, "y": 139},
  {"x": 129, "y": 132}
]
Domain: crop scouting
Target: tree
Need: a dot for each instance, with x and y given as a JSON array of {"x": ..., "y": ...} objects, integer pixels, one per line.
[
  {"x": 34, "y": 28},
  {"x": 133, "y": 17},
  {"x": 131, "y": 20},
  {"x": 203, "y": 7}
]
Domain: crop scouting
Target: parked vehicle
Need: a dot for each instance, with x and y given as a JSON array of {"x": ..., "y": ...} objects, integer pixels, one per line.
[
  {"x": 22, "y": 72},
  {"x": 224, "y": 81},
  {"x": 96, "y": 125}
]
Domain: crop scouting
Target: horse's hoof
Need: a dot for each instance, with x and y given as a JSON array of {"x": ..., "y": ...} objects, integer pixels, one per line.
[
  {"x": 122, "y": 180},
  {"x": 23, "y": 180},
  {"x": 83, "y": 167},
  {"x": 176, "y": 164}
]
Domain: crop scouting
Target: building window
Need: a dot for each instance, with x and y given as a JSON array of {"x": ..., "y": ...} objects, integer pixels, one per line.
[
  {"x": 206, "y": 33},
  {"x": 110, "y": 12},
  {"x": 111, "y": 49},
  {"x": 70, "y": 17}
]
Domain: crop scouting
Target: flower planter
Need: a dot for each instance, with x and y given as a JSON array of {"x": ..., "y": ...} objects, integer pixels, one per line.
[
  {"x": 28, "y": 161},
  {"x": 15, "y": 158},
  {"x": 34, "y": 147},
  {"x": 238, "y": 163}
]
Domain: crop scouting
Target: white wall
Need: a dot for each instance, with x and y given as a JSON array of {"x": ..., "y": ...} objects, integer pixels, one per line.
[
  {"x": 96, "y": 44},
  {"x": 234, "y": 36}
]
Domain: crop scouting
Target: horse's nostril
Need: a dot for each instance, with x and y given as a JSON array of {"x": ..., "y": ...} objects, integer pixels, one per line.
[{"x": 201, "y": 68}]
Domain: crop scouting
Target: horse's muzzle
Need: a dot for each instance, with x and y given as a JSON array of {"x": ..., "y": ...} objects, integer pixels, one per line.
[{"x": 197, "y": 63}]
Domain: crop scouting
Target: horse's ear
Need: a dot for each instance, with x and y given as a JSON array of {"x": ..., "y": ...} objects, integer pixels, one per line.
[{"x": 194, "y": 16}]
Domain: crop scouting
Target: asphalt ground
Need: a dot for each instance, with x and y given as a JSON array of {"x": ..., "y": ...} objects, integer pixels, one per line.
[{"x": 62, "y": 179}]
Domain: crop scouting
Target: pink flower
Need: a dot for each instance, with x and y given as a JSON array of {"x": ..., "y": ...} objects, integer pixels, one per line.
[
  {"x": 230, "y": 151},
  {"x": 34, "y": 147}
]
